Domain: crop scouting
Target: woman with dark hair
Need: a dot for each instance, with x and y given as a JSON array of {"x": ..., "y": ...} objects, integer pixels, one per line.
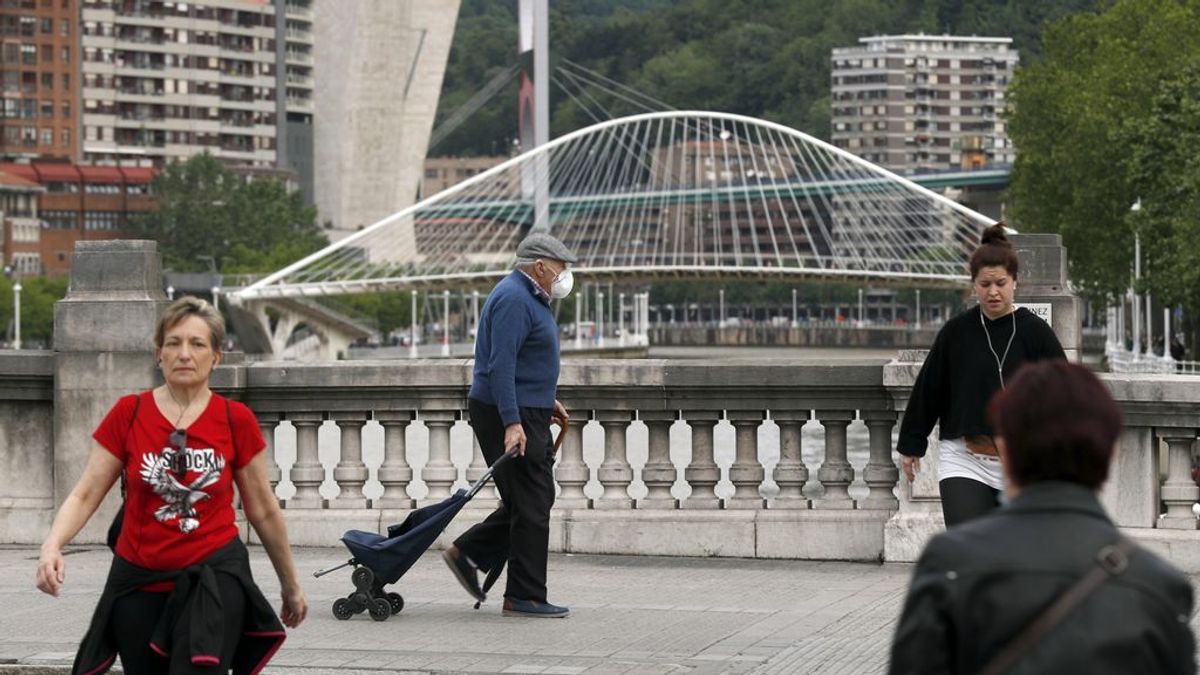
[
  {"x": 971, "y": 357},
  {"x": 179, "y": 596},
  {"x": 1046, "y": 584}
]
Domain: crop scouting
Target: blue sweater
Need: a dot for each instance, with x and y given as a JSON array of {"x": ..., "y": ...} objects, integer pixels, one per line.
[{"x": 516, "y": 349}]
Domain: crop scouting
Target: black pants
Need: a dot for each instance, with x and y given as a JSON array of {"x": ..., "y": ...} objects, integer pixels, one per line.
[
  {"x": 964, "y": 499},
  {"x": 518, "y": 531},
  {"x": 134, "y": 617}
]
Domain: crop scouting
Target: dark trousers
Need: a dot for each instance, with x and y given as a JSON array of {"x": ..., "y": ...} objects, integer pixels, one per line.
[
  {"x": 964, "y": 499},
  {"x": 518, "y": 531},
  {"x": 135, "y": 616}
]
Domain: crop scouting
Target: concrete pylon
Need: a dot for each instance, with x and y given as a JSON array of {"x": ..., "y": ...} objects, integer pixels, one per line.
[{"x": 103, "y": 343}]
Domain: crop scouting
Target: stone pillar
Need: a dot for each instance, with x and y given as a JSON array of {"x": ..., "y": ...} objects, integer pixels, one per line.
[
  {"x": 395, "y": 474},
  {"x": 439, "y": 473},
  {"x": 747, "y": 472},
  {"x": 103, "y": 331},
  {"x": 880, "y": 473},
  {"x": 350, "y": 473},
  {"x": 615, "y": 473},
  {"x": 659, "y": 473},
  {"x": 307, "y": 472},
  {"x": 1042, "y": 284},
  {"x": 790, "y": 473},
  {"x": 570, "y": 470},
  {"x": 835, "y": 473},
  {"x": 1179, "y": 491},
  {"x": 702, "y": 473}
]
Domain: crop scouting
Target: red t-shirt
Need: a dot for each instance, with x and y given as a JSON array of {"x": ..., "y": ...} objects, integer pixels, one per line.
[{"x": 178, "y": 513}]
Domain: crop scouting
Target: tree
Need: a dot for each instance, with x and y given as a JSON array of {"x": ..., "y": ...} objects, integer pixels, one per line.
[
  {"x": 245, "y": 225},
  {"x": 1071, "y": 120},
  {"x": 38, "y": 295},
  {"x": 1165, "y": 173}
]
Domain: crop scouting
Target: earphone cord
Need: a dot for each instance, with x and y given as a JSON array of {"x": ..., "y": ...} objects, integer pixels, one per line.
[{"x": 999, "y": 361}]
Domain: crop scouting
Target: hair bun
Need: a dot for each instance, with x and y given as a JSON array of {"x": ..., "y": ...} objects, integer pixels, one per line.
[{"x": 995, "y": 235}]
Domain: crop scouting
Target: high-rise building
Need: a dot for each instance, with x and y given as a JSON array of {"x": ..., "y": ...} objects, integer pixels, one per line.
[
  {"x": 922, "y": 103},
  {"x": 165, "y": 80},
  {"x": 294, "y": 109},
  {"x": 39, "y": 85}
]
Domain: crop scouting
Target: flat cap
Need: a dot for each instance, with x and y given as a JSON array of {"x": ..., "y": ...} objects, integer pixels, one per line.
[{"x": 542, "y": 245}]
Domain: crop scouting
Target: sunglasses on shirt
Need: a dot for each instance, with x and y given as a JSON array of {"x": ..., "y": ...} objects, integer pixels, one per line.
[{"x": 178, "y": 440}]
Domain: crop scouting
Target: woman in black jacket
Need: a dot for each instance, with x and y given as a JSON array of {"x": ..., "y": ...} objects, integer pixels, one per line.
[
  {"x": 984, "y": 595},
  {"x": 971, "y": 357}
]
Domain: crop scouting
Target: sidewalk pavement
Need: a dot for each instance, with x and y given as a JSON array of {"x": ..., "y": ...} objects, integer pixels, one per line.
[{"x": 628, "y": 615}]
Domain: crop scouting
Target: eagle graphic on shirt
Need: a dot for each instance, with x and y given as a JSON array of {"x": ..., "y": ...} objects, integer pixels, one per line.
[{"x": 179, "y": 500}]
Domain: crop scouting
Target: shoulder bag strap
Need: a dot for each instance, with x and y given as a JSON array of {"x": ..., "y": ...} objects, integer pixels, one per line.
[
  {"x": 137, "y": 403},
  {"x": 1111, "y": 561}
]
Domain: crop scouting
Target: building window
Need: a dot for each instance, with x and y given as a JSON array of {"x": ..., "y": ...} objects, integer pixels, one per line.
[
  {"x": 66, "y": 82},
  {"x": 47, "y": 137},
  {"x": 47, "y": 108},
  {"x": 66, "y": 110},
  {"x": 65, "y": 135},
  {"x": 59, "y": 220},
  {"x": 47, "y": 26},
  {"x": 29, "y": 55},
  {"x": 65, "y": 29},
  {"x": 66, "y": 55}
]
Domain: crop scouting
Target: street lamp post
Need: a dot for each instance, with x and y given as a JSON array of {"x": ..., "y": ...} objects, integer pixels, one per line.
[
  {"x": 216, "y": 290},
  {"x": 412, "y": 342},
  {"x": 446, "y": 324},
  {"x": 17, "y": 314}
]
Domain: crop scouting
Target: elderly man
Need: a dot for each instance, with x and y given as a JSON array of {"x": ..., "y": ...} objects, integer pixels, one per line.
[{"x": 512, "y": 403}]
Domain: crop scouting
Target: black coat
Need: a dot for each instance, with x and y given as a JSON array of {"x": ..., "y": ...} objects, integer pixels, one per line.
[{"x": 979, "y": 584}]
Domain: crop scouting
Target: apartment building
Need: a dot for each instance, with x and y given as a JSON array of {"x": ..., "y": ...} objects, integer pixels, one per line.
[
  {"x": 294, "y": 109},
  {"x": 39, "y": 92},
  {"x": 924, "y": 103},
  {"x": 165, "y": 80}
]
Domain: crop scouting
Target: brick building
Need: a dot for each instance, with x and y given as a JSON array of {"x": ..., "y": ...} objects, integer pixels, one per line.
[
  {"x": 79, "y": 203},
  {"x": 39, "y": 85}
]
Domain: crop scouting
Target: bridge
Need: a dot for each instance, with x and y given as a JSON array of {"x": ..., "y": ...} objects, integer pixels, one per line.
[{"x": 660, "y": 195}]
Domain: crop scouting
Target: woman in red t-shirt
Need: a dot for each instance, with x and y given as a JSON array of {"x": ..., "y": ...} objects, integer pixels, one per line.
[{"x": 180, "y": 449}]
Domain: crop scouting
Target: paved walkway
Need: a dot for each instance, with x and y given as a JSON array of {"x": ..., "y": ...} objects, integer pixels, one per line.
[{"x": 629, "y": 615}]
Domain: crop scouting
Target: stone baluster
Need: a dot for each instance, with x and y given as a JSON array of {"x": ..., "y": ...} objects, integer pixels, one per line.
[
  {"x": 395, "y": 474},
  {"x": 350, "y": 474},
  {"x": 307, "y": 473},
  {"x": 747, "y": 472},
  {"x": 835, "y": 473},
  {"x": 790, "y": 473},
  {"x": 615, "y": 473},
  {"x": 880, "y": 474},
  {"x": 1179, "y": 491},
  {"x": 659, "y": 473},
  {"x": 702, "y": 473},
  {"x": 486, "y": 499},
  {"x": 570, "y": 471},
  {"x": 266, "y": 424},
  {"x": 439, "y": 472}
]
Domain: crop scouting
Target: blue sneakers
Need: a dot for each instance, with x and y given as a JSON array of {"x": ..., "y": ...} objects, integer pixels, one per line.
[{"x": 533, "y": 609}]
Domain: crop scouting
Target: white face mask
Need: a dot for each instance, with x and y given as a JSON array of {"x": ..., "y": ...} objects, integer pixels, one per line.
[{"x": 562, "y": 285}]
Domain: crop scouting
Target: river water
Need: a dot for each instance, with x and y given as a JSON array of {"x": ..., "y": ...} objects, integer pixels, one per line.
[{"x": 417, "y": 437}]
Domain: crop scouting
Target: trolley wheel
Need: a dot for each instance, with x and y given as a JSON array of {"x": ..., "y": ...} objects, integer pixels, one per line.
[
  {"x": 380, "y": 609},
  {"x": 362, "y": 578},
  {"x": 341, "y": 609},
  {"x": 397, "y": 602}
]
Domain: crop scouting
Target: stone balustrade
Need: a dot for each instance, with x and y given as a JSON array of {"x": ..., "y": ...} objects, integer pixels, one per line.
[{"x": 750, "y": 458}]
